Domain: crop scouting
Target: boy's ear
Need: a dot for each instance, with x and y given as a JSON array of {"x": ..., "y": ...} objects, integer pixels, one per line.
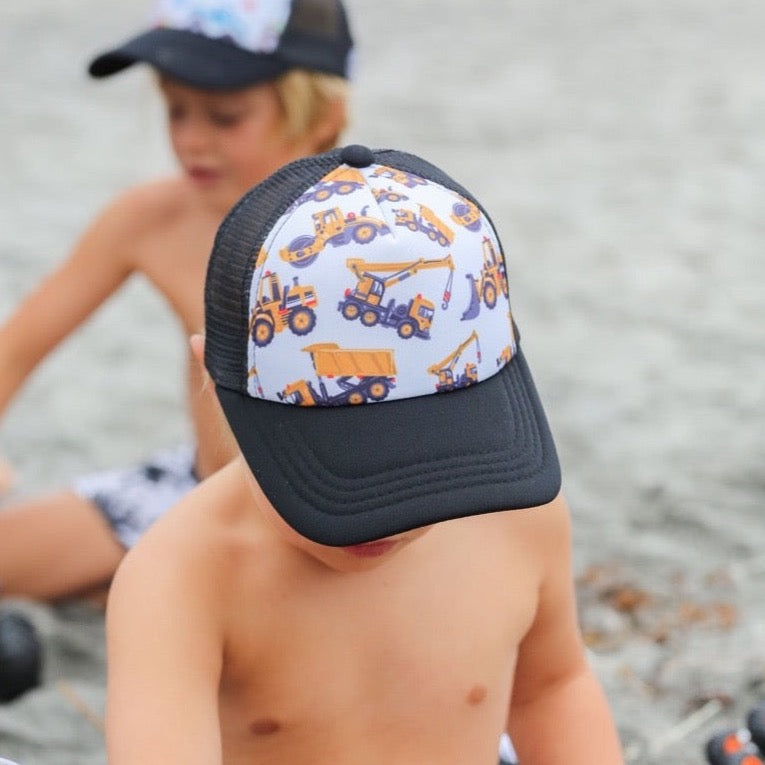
[{"x": 326, "y": 131}]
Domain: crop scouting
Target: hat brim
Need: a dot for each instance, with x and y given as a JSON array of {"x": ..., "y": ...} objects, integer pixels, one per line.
[
  {"x": 192, "y": 59},
  {"x": 347, "y": 475}
]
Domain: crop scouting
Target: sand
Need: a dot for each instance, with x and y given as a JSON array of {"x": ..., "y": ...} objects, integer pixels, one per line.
[{"x": 620, "y": 148}]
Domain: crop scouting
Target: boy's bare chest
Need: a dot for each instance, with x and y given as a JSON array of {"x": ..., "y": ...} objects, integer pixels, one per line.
[
  {"x": 429, "y": 654},
  {"x": 175, "y": 262}
]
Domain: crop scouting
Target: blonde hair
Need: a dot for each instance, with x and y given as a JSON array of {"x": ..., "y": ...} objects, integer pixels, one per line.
[{"x": 308, "y": 97}]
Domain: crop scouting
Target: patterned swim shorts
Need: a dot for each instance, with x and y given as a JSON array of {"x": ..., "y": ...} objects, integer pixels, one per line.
[{"x": 132, "y": 499}]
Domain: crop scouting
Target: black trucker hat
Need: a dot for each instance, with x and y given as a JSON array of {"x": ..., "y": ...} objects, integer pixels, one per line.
[
  {"x": 228, "y": 44},
  {"x": 361, "y": 341}
]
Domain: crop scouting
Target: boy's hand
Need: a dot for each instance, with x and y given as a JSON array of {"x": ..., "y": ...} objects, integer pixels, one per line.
[{"x": 6, "y": 477}]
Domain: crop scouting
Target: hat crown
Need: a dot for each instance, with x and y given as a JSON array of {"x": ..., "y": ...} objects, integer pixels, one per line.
[
  {"x": 254, "y": 26},
  {"x": 374, "y": 284}
]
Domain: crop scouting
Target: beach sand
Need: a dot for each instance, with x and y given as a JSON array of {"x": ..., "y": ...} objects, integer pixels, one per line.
[{"x": 619, "y": 146}]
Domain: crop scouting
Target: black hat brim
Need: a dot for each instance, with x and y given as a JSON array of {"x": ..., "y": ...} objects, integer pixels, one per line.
[
  {"x": 192, "y": 59},
  {"x": 347, "y": 475}
]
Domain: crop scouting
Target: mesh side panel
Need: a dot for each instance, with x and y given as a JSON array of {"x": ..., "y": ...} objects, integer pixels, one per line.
[
  {"x": 317, "y": 36},
  {"x": 231, "y": 265},
  {"x": 317, "y": 18}
]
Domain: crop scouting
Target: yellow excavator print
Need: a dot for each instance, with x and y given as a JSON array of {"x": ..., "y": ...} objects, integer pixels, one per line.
[
  {"x": 332, "y": 227},
  {"x": 444, "y": 369},
  {"x": 360, "y": 374},
  {"x": 277, "y": 308},
  {"x": 365, "y": 300},
  {"x": 487, "y": 287}
]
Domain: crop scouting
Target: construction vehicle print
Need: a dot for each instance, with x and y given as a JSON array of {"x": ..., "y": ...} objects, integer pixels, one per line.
[
  {"x": 444, "y": 369},
  {"x": 324, "y": 190},
  {"x": 465, "y": 213},
  {"x": 253, "y": 375},
  {"x": 341, "y": 182},
  {"x": 388, "y": 195},
  {"x": 487, "y": 287},
  {"x": 360, "y": 375},
  {"x": 332, "y": 227},
  {"x": 427, "y": 222},
  {"x": 278, "y": 308},
  {"x": 400, "y": 176},
  {"x": 505, "y": 356},
  {"x": 365, "y": 300}
]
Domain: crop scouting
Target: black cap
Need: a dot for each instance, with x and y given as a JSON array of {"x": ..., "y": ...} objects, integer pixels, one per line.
[
  {"x": 228, "y": 44},
  {"x": 359, "y": 333}
]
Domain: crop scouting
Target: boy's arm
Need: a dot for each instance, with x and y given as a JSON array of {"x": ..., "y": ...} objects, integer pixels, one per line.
[
  {"x": 6, "y": 477},
  {"x": 558, "y": 711},
  {"x": 165, "y": 651},
  {"x": 97, "y": 266}
]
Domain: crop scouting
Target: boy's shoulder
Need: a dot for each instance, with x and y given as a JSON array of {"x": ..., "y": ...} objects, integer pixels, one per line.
[
  {"x": 205, "y": 533},
  {"x": 153, "y": 226},
  {"x": 156, "y": 201}
]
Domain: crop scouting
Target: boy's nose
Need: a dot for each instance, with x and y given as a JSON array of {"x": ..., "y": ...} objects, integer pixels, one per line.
[{"x": 191, "y": 136}]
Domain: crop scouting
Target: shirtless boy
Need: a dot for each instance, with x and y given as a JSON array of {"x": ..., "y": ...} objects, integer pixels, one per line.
[
  {"x": 383, "y": 574},
  {"x": 248, "y": 87}
]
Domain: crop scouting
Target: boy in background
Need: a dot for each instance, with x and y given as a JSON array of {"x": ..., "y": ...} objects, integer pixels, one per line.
[
  {"x": 383, "y": 574},
  {"x": 247, "y": 87}
]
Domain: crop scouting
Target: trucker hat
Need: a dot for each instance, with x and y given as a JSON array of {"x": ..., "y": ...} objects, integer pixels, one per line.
[
  {"x": 361, "y": 342},
  {"x": 227, "y": 44}
]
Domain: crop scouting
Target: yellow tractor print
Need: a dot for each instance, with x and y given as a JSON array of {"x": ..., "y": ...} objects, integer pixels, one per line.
[
  {"x": 277, "y": 309},
  {"x": 492, "y": 281},
  {"x": 332, "y": 227}
]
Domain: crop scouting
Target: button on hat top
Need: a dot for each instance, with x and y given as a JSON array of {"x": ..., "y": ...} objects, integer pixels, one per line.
[{"x": 356, "y": 155}]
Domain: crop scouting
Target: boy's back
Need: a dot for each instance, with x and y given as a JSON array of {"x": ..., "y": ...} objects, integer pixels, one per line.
[{"x": 406, "y": 659}]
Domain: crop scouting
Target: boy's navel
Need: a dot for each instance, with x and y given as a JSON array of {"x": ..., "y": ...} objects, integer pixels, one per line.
[
  {"x": 264, "y": 727},
  {"x": 477, "y": 695}
]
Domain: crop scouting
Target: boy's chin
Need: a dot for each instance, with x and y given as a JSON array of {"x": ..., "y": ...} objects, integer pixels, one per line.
[{"x": 362, "y": 557}]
